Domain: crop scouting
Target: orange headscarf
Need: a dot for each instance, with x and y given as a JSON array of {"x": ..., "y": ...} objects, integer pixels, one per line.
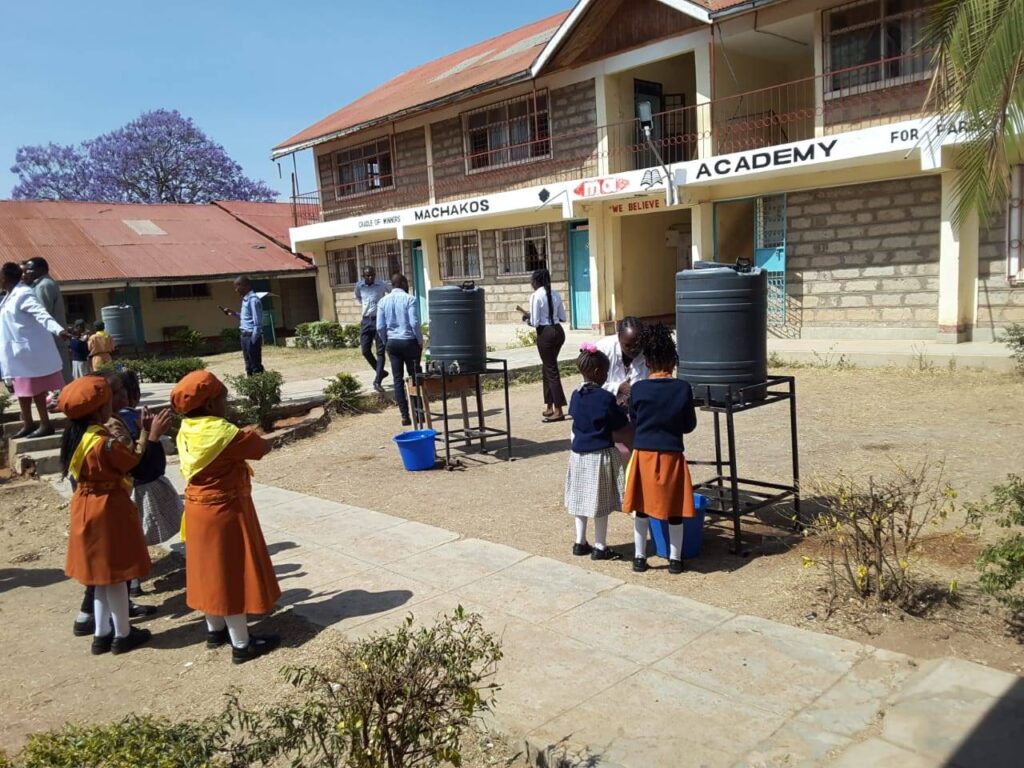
[
  {"x": 83, "y": 397},
  {"x": 194, "y": 391}
]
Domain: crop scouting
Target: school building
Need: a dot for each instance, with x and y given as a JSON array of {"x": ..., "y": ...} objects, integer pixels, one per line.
[
  {"x": 789, "y": 133},
  {"x": 174, "y": 264}
]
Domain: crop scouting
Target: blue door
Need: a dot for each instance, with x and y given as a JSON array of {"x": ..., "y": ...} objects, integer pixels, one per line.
[
  {"x": 579, "y": 275},
  {"x": 770, "y": 253},
  {"x": 418, "y": 280}
]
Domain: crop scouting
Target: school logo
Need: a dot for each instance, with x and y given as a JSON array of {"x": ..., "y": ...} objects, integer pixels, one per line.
[
  {"x": 597, "y": 187},
  {"x": 544, "y": 195},
  {"x": 652, "y": 178}
]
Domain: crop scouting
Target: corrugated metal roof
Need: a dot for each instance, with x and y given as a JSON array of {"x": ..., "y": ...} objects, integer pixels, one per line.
[
  {"x": 271, "y": 219},
  {"x": 91, "y": 242}
]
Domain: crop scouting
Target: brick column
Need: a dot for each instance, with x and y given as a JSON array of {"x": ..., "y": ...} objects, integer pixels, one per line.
[{"x": 958, "y": 269}]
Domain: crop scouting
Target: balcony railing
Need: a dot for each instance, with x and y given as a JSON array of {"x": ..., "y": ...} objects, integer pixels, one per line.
[{"x": 879, "y": 93}]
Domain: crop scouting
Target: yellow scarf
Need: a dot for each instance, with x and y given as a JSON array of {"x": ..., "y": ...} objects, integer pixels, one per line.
[
  {"x": 202, "y": 439},
  {"x": 94, "y": 436}
]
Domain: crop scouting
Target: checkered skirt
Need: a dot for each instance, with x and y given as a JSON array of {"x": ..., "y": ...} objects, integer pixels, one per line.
[
  {"x": 160, "y": 507},
  {"x": 594, "y": 483}
]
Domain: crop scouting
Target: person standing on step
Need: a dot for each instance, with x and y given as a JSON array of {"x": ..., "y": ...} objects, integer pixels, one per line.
[
  {"x": 47, "y": 291},
  {"x": 368, "y": 293},
  {"x": 627, "y": 367},
  {"x": 547, "y": 313},
  {"x": 105, "y": 544},
  {"x": 79, "y": 346},
  {"x": 250, "y": 324},
  {"x": 228, "y": 573},
  {"x": 28, "y": 354},
  {"x": 101, "y": 347},
  {"x": 398, "y": 323},
  {"x": 658, "y": 481}
]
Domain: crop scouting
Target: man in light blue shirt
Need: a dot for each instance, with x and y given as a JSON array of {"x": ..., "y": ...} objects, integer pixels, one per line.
[
  {"x": 250, "y": 323},
  {"x": 398, "y": 325},
  {"x": 368, "y": 293}
]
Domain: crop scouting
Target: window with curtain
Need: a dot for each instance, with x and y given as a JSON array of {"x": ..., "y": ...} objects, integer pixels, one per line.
[
  {"x": 511, "y": 132},
  {"x": 366, "y": 168},
  {"x": 522, "y": 249},
  {"x": 460, "y": 255}
]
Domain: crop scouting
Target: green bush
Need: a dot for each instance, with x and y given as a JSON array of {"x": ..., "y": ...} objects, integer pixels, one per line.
[
  {"x": 190, "y": 341},
  {"x": 1013, "y": 337},
  {"x": 344, "y": 394},
  {"x": 130, "y": 743},
  {"x": 322, "y": 334},
  {"x": 157, "y": 370},
  {"x": 262, "y": 392},
  {"x": 1002, "y": 564},
  {"x": 396, "y": 700},
  {"x": 231, "y": 339}
]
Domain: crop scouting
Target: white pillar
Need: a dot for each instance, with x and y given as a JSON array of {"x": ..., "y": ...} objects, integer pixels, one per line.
[
  {"x": 328, "y": 309},
  {"x": 606, "y": 96},
  {"x": 702, "y": 232},
  {"x": 958, "y": 269},
  {"x": 819, "y": 76},
  {"x": 702, "y": 71}
]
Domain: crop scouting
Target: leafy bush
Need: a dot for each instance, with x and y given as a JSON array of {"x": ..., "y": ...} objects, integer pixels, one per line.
[
  {"x": 1013, "y": 337},
  {"x": 524, "y": 337},
  {"x": 231, "y": 338},
  {"x": 871, "y": 531},
  {"x": 157, "y": 370},
  {"x": 134, "y": 741},
  {"x": 1002, "y": 564},
  {"x": 401, "y": 699},
  {"x": 262, "y": 392},
  {"x": 344, "y": 394},
  {"x": 326, "y": 334},
  {"x": 190, "y": 341}
]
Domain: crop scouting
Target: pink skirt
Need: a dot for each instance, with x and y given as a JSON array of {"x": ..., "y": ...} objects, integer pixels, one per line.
[{"x": 38, "y": 385}]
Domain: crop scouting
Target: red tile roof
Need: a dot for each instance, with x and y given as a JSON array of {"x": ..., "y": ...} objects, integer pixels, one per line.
[{"x": 100, "y": 242}]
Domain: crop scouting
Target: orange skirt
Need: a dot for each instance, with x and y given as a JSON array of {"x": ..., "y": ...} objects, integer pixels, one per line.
[
  {"x": 227, "y": 565},
  {"x": 658, "y": 485},
  {"x": 105, "y": 541}
]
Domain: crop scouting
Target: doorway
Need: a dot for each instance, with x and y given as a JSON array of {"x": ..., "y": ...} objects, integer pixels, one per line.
[
  {"x": 579, "y": 274},
  {"x": 418, "y": 282}
]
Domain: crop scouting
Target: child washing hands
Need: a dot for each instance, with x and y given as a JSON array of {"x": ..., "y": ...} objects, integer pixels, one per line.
[{"x": 593, "y": 484}]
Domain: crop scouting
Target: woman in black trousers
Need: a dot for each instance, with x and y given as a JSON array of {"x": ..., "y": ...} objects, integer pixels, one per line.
[{"x": 547, "y": 313}]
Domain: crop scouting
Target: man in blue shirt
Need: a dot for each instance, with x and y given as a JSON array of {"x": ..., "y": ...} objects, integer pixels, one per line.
[
  {"x": 398, "y": 325},
  {"x": 250, "y": 323},
  {"x": 368, "y": 293}
]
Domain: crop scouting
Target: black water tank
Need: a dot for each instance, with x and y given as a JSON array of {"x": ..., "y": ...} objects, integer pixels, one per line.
[
  {"x": 458, "y": 326},
  {"x": 722, "y": 331}
]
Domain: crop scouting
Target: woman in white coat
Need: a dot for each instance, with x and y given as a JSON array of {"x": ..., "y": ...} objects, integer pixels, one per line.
[{"x": 28, "y": 352}]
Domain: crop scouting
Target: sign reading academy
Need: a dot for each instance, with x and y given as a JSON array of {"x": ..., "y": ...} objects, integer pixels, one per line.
[
  {"x": 452, "y": 210},
  {"x": 768, "y": 158}
]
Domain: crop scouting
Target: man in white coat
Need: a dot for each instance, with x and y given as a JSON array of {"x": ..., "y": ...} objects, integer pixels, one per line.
[{"x": 627, "y": 367}]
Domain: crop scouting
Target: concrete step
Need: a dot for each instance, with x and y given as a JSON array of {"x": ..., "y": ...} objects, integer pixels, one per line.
[
  {"x": 10, "y": 427},
  {"x": 33, "y": 444},
  {"x": 38, "y": 463}
]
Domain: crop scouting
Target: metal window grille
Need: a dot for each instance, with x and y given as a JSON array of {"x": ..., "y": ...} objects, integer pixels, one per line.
[
  {"x": 362, "y": 169},
  {"x": 770, "y": 232},
  {"x": 385, "y": 256},
  {"x": 1015, "y": 227},
  {"x": 507, "y": 133},
  {"x": 521, "y": 250},
  {"x": 460, "y": 255},
  {"x": 343, "y": 266},
  {"x": 872, "y": 43},
  {"x": 185, "y": 291}
]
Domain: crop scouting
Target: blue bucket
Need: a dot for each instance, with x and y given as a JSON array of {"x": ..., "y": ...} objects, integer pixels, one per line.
[
  {"x": 417, "y": 449},
  {"x": 693, "y": 531}
]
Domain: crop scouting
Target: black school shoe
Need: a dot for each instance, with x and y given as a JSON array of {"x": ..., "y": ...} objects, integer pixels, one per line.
[
  {"x": 581, "y": 549},
  {"x": 216, "y": 639},
  {"x": 640, "y": 565},
  {"x": 259, "y": 645},
  {"x": 139, "y": 611},
  {"x": 605, "y": 554},
  {"x": 132, "y": 640},
  {"x": 135, "y": 611},
  {"x": 101, "y": 645},
  {"x": 675, "y": 566},
  {"x": 84, "y": 628}
]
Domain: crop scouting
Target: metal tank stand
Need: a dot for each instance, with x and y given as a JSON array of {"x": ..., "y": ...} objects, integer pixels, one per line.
[
  {"x": 726, "y": 487},
  {"x": 449, "y": 381}
]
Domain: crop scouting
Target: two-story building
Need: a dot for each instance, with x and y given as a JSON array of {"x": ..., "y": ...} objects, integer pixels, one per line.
[{"x": 622, "y": 140}]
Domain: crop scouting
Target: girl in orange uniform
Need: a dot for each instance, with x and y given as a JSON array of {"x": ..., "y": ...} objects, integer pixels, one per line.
[
  {"x": 105, "y": 544},
  {"x": 228, "y": 573}
]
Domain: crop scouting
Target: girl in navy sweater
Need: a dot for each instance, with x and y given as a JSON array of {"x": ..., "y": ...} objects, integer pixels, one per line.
[
  {"x": 658, "y": 481},
  {"x": 593, "y": 484}
]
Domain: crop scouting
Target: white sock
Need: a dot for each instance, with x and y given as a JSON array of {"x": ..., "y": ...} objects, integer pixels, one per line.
[
  {"x": 215, "y": 623},
  {"x": 117, "y": 597},
  {"x": 83, "y": 616},
  {"x": 641, "y": 526},
  {"x": 581, "y": 529},
  {"x": 600, "y": 532},
  {"x": 675, "y": 541},
  {"x": 101, "y": 611},
  {"x": 238, "y": 629}
]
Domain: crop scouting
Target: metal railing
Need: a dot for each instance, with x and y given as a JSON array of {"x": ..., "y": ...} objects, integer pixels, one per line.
[{"x": 879, "y": 93}]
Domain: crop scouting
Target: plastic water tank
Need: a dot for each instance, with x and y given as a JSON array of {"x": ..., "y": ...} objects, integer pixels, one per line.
[
  {"x": 458, "y": 327},
  {"x": 722, "y": 332},
  {"x": 119, "y": 320}
]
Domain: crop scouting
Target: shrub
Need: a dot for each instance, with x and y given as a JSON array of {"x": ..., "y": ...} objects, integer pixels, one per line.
[
  {"x": 871, "y": 531},
  {"x": 326, "y": 334},
  {"x": 262, "y": 392},
  {"x": 344, "y": 394},
  {"x": 524, "y": 337},
  {"x": 190, "y": 341},
  {"x": 350, "y": 335},
  {"x": 157, "y": 370},
  {"x": 1002, "y": 564},
  {"x": 1013, "y": 337},
  {"x": 401, "y": 699},
  {"x": 134, "y": 741},
  {"x": 231, "y": 338}
]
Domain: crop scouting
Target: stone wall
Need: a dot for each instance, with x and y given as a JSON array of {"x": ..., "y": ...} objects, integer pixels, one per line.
[
  {"x": 865, "y": 255},
  {"x": 999, "y": 303}
]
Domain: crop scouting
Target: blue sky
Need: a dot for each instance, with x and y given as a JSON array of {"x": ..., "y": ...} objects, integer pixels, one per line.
[{"x": 250, "y": 72}]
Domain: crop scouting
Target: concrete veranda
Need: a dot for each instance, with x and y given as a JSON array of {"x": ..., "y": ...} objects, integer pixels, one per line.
[{"x": 628, "y": 676}]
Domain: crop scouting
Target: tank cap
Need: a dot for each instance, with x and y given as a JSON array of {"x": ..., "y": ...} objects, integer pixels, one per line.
[{"x": 468, "y": 285}]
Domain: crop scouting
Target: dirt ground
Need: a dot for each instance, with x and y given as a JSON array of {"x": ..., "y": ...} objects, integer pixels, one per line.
[
  {"x": 51, "y": 678},
  {"x": 858, "y": 421},
  {"x": 294, "y": 364}
]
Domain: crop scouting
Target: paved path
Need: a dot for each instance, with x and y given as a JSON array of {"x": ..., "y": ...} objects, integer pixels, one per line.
[{"x": 633, "y": 676}]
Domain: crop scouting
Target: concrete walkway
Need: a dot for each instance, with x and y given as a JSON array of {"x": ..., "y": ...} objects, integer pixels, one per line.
[
  {"x": 622, "y": 676},
  {"x": 878, "y": 353}
]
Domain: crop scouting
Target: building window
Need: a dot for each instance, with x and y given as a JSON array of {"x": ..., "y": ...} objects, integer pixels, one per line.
[
  {"x": 79, "y": 306},
  {"x": 1015, "y": 228},
  {"x": 874, "y": 43},
  {"x": 343, "y": 266},
  {"x": 186, "y": 291},
  {"x": 460, "y": 255},
  {"x": 366, "y": 168},
  {"x": 522, "y": 249},
  {"x": 508, "y": 133}
]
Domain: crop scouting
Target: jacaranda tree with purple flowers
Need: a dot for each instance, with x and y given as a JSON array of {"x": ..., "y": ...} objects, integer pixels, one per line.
[{"x": 161, "y": 157}]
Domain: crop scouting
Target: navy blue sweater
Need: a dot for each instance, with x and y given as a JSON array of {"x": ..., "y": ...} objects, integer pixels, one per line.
[
  {"x": 595, "y": 415},
  {"x": 662, "y": 410}
]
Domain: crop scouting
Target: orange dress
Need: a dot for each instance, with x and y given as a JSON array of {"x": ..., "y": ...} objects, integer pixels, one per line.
[
  {"x": 227, "y": 565},
  {"x": 105, "y": 542}
]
